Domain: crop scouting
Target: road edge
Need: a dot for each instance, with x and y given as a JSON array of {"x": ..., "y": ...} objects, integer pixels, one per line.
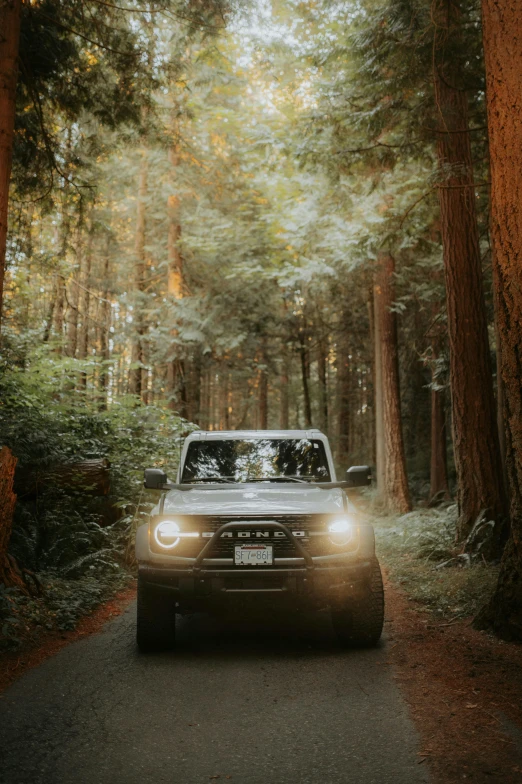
[
  {"x": 461, "y": 686},
  {"x": 13, "y": 664}
]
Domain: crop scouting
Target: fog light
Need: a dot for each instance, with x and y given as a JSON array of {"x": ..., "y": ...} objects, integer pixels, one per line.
[
  {"x": 166, "y": 534},
  {"x": 341, "y": 531}
]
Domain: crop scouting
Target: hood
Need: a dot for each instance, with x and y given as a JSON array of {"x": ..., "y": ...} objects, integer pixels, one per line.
[{"x": 255, "y": 499}]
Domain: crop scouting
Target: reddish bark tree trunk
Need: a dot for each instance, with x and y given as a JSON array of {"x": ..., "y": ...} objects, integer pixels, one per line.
[
  {"x": 10, "y": 13},
  {"x": 344, "y": 401},
  {"x": 370, "y": 392},
  {"x": 136, "y": 376},
  {"x": 176, "y": 383},
  {"x": 396, "y": 492},
  {"x": 10, "y": 575},
  {"x": 380, "y": 452},
  {"x": 175, "y": 259},
  {"x": 502, "y": 32},
  {"x": 475, "y": 434}
]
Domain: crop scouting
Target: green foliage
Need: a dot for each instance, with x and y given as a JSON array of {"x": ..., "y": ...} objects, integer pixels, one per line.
[
  {"x": 59, "y": 528},
  {"x": 93, "y": 64},
  {"x": 420, "y": 552},
  {"x": 24, "y": 619}
]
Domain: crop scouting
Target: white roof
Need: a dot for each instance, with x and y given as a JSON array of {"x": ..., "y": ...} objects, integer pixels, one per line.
[{"x": 207, "y": 435}]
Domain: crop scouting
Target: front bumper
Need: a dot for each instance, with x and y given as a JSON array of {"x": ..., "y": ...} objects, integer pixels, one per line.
[
  {"x": 313, "y": 580},
  {"x": 213, "y": 585}
]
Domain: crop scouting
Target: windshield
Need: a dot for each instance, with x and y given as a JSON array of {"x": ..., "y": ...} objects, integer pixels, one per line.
[{"x": 255, "y": 460}]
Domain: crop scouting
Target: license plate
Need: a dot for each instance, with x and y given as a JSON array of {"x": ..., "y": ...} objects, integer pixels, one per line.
[{"x": 253, "y": 555}]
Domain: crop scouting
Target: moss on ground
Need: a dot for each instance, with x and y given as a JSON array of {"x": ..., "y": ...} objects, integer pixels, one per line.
[{"x": 419, "y": 553}]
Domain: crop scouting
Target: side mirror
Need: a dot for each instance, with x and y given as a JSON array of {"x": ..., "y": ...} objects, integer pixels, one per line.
[
  {"x": 155, "y": 479},
  {"x": 359, "y": 476}
]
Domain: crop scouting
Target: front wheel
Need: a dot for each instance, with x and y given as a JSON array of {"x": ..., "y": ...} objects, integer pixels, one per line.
[
  {"x": 360, "y": 623},
  {"x": 155, "y": 621}
]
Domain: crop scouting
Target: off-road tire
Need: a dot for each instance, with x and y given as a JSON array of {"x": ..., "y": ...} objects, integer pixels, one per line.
[
  {"x": 360, "y": 623},
  {"x": 155, "y": 620}
]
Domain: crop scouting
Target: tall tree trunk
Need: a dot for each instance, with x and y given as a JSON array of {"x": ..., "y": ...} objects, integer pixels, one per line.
[
  {"x": 500, "y": 403},
  {"x": 344, "y": 400},
  {"x": 171, "y": 384},
  {"x": 322, "y": 352},
  {"x": 396, "y": 492},
  {"x": 370, "y": 390},
  {"x": 135, "y": 374},
  {"x": 229, "y": 399},
  {"x": 145, "y": 372},
  {"x": 194, "y": 388},
  {"x": 176, "y": 382},
  {"x": 263, "y": 397},
  {"x": 380, "y": 452},
  {"x": 10, "y": 13},
  {"x": 28, "y": 248},
  {"x": 72, "y": 314},
  {"x": 74, "y": 293},
  {"x": 305, "y": 375},
  {"x": 284, "y": 400},
  {"x": 177, "y": 387},
  {"x": 438, "y": 464},
  {"x": 49, "y": 319},
  {"x": 105, "y": 354},
  {"x": 475, "y": 435},
  {"x": 175, "y": 259},
  {"x": 183, "y": 394},
  {"x": 502, "y": 31},
  {"x": 263, "y": 386},
  {"x": 10, "y": 574},
  {"x": 205, "y": 403},
  {"x": 59, "y": 310},
  {"x": 223, "y": 400},
  {"x": 84, "y": 306}
]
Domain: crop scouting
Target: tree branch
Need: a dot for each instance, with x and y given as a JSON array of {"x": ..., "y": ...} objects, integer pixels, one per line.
[
  {"x": 85, "y": 38},
  {"x": 375, "y": 146}
]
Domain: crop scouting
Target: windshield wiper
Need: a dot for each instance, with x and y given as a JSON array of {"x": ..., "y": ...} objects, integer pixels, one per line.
[
  {"x": 227, "y": 480},
  {"x": 275, "y": 479},
  {"x": 231, "y": 480}
]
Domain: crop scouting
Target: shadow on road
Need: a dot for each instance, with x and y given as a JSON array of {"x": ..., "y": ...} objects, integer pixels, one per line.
[{"x": 258, "y": 634}]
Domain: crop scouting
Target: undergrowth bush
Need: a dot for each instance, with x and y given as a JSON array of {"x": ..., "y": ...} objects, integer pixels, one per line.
[
  {"x": 420, "y": 554},
  {"x": 80, "y": 546}
]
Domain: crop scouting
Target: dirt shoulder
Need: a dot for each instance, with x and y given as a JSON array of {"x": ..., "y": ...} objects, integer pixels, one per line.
[
  {"x": 464, "y": 689},
  {"x": 14, "y": 663}
]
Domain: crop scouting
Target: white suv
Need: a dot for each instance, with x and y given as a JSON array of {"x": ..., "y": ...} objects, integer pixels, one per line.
[{"x": 257, "y": 518}]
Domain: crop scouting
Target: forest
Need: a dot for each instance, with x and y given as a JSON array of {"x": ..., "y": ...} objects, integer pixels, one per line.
[{"x": 246, "y": 215}]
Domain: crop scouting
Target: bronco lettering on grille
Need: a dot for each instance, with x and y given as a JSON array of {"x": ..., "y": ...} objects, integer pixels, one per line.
[{"x": 253, "y": 534}]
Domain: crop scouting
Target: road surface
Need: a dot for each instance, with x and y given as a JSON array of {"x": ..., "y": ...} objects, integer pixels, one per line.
[{"x": 274, "y": 703}]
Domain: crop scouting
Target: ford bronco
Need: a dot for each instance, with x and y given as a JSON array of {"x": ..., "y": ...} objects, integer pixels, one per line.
[{"x": 257, "y": 518}]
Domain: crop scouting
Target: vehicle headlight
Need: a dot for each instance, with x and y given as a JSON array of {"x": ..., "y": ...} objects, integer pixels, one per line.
[
  {"x": 167, "y": 534},
  {"x": 341, "y": 531}
]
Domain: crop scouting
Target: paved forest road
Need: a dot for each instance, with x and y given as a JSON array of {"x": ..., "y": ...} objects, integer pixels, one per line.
[{"x": 279, "y": 703}]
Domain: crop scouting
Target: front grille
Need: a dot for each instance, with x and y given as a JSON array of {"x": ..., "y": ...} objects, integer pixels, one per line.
[
  {"x": 315, "y": 539},
  {"x": 310, "y": 525}
]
